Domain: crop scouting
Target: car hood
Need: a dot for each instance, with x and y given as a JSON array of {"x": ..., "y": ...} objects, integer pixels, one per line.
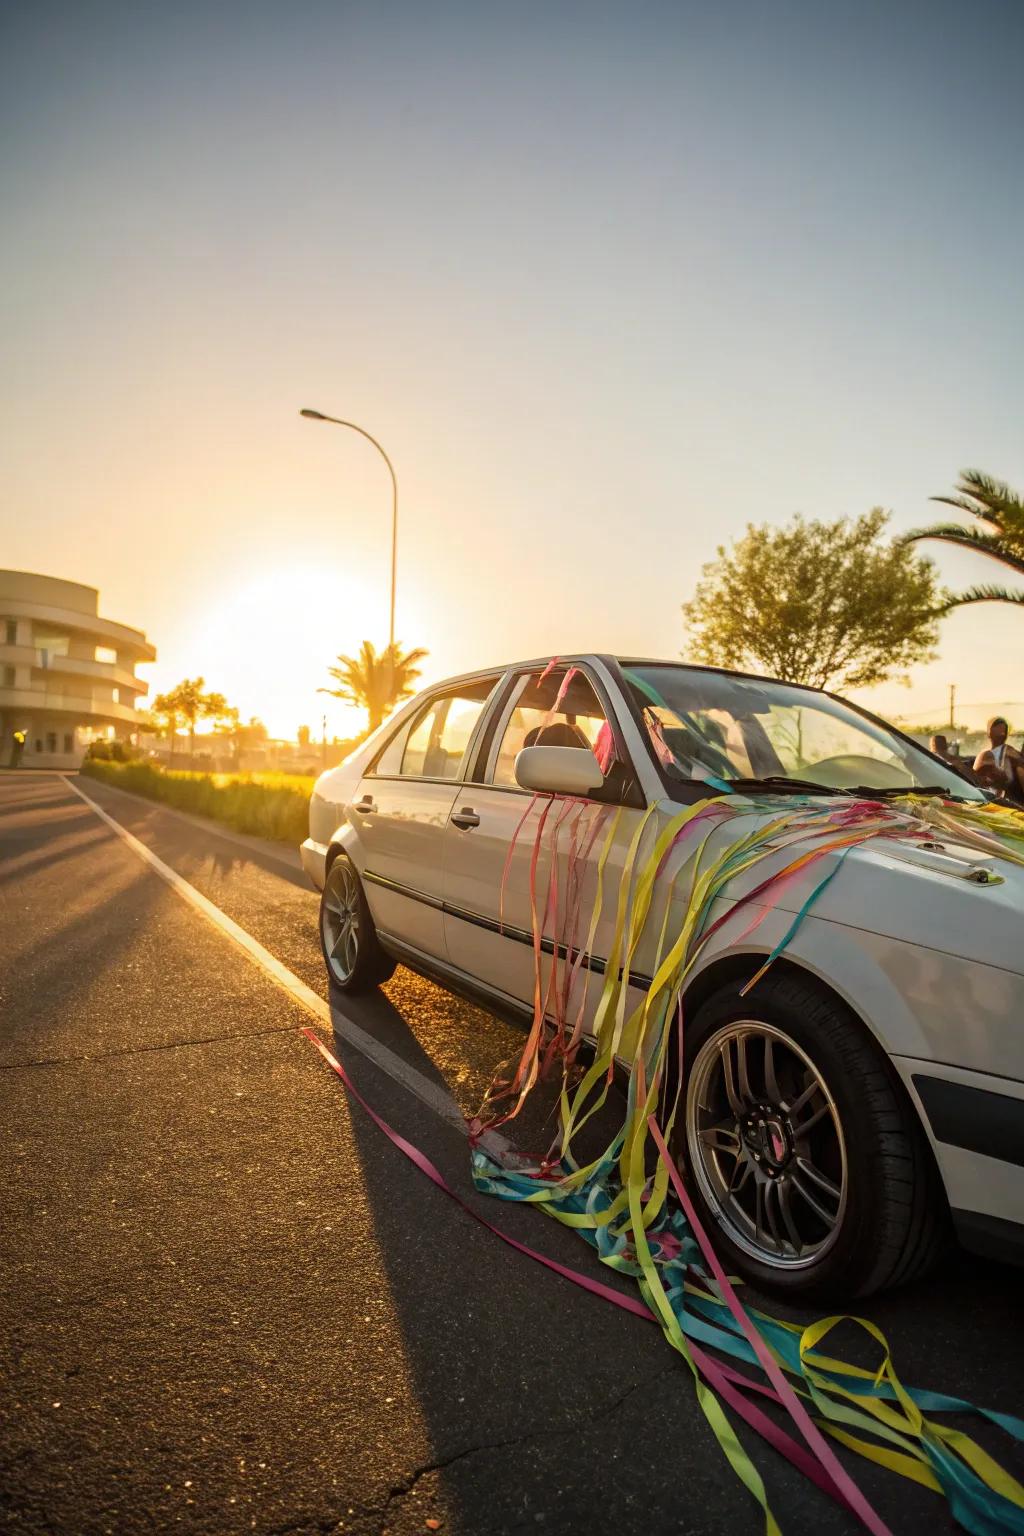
[{"x": 937, "y": 892}]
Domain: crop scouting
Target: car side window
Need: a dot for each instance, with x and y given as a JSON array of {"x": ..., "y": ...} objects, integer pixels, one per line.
[
  {"x": 436, "y": 743},
  {"x": 548, "y": 711},
  {"x": 389, "y": 762}
]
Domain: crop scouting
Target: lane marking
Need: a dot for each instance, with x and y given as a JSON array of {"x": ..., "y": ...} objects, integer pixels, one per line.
[{"x": 436, "y": 1098}]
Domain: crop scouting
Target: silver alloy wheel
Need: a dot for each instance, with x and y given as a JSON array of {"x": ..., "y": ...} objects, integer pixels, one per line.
[
  {"x": 339, "y": 919},
  {"x": 766, "y": 1144}
]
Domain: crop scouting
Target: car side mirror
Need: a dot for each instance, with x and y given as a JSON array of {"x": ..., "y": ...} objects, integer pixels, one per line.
[{"x": 558, "y": 770}]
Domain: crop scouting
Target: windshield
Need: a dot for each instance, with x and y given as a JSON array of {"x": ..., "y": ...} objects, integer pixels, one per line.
[{"x": 710, "y": 725}]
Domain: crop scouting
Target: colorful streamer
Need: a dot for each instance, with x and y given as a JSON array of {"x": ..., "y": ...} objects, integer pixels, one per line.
[{"x": 625, "y": 1212}]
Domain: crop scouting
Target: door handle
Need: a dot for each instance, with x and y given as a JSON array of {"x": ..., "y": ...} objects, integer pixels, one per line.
[
  {"x": 466, "y": 818},
  {"x": 365, "y": 805}
]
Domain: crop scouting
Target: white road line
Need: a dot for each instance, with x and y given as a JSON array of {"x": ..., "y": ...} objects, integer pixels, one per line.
[{"x": 434, "y": 1097}]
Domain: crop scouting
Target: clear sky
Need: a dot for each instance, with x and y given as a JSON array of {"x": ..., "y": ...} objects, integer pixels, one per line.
[{"x": 608, "y": 281}]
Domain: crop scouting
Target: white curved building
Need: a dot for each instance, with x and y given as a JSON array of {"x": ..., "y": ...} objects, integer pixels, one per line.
[{"x": 66, "y": 675}]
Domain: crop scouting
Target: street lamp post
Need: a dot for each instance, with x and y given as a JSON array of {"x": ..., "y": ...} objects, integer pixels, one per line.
[{"x": 336, "y": 421}]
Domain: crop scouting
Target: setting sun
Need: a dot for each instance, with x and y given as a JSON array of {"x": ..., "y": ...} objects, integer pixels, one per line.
[{"x": 267, "y": 644}]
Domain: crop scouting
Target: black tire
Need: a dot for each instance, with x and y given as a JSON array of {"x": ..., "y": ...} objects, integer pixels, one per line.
[
  {"x": 890, "y": 1221},
  {"x": 355, "y": 959}
]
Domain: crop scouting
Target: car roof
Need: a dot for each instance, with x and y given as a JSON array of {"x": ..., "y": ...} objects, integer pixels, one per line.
[{"x": 623, "y": 661}]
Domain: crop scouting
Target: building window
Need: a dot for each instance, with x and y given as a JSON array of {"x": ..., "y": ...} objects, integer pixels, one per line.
[
  {"x": 12, "y": 631},
  {"x": 50, "y": 646},
  {"x": 39, "y": 745},
  {"x": 8, "y": 677},
  {"x": 115, "y": 694},
  {"x": 51, "y": 741},
  {"x": 106, "y": 654},
  {"x": 69, "y": 742}
]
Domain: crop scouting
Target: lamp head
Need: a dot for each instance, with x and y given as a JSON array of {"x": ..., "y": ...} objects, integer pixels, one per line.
[{"x": 313, "y": 415}]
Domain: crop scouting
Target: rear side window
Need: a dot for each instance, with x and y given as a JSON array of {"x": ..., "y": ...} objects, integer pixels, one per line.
[{"x": 434, "y": 744}]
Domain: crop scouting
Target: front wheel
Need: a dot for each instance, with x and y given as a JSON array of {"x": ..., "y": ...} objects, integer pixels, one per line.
[
  {"x": 807, "y": 1162},
  {"x": 355, "y": 960}
]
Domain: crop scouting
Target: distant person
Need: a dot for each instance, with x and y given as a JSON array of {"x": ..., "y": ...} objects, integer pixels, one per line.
[
  {"x": 17, "y": 748},
  {"x": 1000, "y": 766},
  {"x": 940, "y": 746}
]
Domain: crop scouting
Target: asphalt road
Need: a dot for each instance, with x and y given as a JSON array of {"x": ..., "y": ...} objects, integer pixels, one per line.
[{"x": 230, "y": 1305}]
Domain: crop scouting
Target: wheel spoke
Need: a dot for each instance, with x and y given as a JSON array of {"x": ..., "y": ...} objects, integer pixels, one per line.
[
  {"x": 339, "y": 943},
  {"x": 816, "y": 1176},
  {"x": 771, "y": 1082},
  {"x": 759, "y": 1216},
  {"x": 798, "y": 1103},
  {"x": 721, "y": 1138},
  {"x": 819, "y": 1114},
  {"x": 725, "y": 1056},
  {"x": 786, "y": 1208},
  {"x": 741, "y": 1069},
  {"x": 740, "y": 1176},
  {"x": 771, "y": 1198},
  {"x": 809, "y": 1198}
]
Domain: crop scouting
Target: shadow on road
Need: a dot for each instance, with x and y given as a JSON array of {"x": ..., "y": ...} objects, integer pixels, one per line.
[{"x": 510, "y": 1363}]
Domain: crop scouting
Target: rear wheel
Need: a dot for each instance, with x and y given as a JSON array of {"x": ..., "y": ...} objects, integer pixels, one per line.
[
  {"x": 806, "y": 1159},
  {"x": 355, "y": 959}
]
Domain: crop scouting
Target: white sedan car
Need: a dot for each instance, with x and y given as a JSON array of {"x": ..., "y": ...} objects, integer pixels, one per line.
[{"x": 868, "y": 1093}]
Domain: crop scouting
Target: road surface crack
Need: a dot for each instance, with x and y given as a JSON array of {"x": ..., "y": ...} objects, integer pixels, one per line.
[
  {"x": 402, "y": 1489},
  {"x": 147, "y": 1050}
]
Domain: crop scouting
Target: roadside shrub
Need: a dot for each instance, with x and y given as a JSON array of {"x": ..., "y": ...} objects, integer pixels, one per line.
[
  {"x": 276, "y": 810},
  {"x": 112, "y": 751}
]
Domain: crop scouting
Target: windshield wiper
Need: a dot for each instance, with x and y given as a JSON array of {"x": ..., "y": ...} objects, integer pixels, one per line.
[
  {"x": 784, "y": 782},
  {"x": 865, "y": 791}
]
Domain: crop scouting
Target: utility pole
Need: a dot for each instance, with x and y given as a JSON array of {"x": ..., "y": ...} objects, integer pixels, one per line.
[
  {"x": 952, "y": 705},
  {"x": 323, "y": 742}
]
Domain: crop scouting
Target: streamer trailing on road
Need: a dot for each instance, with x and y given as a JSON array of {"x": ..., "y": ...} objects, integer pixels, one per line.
[{"x": 800, "y": 933}]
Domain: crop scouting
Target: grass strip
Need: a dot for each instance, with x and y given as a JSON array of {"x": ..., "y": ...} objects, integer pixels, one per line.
[{"x": 274, "y": 806}]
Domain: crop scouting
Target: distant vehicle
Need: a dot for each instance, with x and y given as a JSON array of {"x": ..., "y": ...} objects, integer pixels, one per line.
[{"x": 866, "y": 1091}]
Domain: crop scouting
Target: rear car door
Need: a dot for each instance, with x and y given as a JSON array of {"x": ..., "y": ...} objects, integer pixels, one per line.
[
  {"x": 491, "y": 894},
  {"x": 401, "y": 808}
]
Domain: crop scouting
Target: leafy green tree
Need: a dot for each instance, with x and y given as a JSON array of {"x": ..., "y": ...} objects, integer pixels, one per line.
[
  {"x": 376, "y": 681},
  {"x": 165, "y": 714},
  {"x": 186, "y": 704},
  {"x": 999, "y": 532},
  {"x": 827, "y": 604}
]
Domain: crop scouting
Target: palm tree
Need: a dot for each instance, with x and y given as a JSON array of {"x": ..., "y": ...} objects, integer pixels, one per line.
[
  {"x": 1000, "y": 512},
  {"x": 376, "y": 682}
]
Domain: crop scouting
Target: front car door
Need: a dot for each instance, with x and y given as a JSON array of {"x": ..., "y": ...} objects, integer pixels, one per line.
[
  {"x": 401, "y": 809},
  {"x": 513, "y": 859}
]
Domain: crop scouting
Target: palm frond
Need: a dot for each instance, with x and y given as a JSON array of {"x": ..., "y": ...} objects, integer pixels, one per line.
[
  {"x": 991, "y": 500},
  {"x": 984, "y": 595},
  {"x": 994, "y": 545},
  {"x": 964, "y": 504}
]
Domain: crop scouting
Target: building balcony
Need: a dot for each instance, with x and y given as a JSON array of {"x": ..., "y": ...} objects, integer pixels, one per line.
[
  {"x": 67, "y": 607},
  {"x": 86, "y": 710},
  {"x": 71, "y": 666}
]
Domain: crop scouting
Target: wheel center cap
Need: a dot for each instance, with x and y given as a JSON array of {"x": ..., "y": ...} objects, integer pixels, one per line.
[
  {"x": 775, "y": 1144},
  {"x": 766, "y": 1136}
]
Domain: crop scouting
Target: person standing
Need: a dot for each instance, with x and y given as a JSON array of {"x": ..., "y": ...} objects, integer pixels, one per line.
[{"x": 1000, "y": 766}]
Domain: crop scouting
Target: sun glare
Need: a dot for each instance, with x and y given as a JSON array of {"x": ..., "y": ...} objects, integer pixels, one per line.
[{"x": 267, "y": 643}]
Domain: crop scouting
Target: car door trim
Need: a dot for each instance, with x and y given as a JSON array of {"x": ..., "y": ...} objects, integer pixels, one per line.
[
  {"x": 398, "y": 889},
  {"x": 593, "y": 963}
]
